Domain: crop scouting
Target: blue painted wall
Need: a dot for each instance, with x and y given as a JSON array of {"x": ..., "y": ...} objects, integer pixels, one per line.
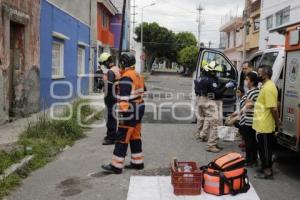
[
  {"x": 54, "y": 19},
  {"x": 116, "y": 29}
]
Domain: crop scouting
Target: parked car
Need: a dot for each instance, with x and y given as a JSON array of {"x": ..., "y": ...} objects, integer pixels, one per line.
[{"x": 155, "y": 66}]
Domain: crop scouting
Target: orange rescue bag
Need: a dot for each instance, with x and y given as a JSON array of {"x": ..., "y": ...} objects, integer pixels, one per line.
[{"x": 226, "y": 175}]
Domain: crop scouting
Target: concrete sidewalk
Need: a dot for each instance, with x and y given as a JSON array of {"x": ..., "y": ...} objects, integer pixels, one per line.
[{"x": 10, "y": 132}]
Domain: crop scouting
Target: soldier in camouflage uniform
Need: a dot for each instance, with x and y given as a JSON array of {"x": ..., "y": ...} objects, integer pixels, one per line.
[{"x": 209, "y": 93}]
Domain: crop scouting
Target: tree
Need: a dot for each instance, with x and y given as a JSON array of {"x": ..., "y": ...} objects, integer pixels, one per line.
[
  {"x": 158, "y": 42},
  {"x": 185, "y": 39},
  {"x": 188, "y": 57}
]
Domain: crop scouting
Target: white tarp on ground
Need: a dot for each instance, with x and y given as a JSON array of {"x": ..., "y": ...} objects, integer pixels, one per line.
[{"x": 160, "y": 188}]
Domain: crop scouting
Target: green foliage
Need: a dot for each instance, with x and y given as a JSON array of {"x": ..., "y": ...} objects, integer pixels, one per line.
[
  {"x": 7, "y": 159},
  {"x": 158, "y": 41},
  {"x": 9, "y": 183},
  {"x": 185, "y": 39},
  {"x": 46, "y": 138},
  {"x": 188, "y": 57}
]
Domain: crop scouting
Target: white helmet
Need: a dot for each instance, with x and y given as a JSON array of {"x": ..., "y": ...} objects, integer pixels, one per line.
[{"x": 104, "y": 57}]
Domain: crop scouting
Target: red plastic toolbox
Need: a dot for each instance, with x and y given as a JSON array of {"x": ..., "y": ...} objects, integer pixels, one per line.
[{"x": 187, "y": 183}]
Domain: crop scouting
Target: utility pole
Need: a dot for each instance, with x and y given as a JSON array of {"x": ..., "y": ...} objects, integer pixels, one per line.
[
  {"x": 134, "y": 13},
  {"x": 122, "y": 28},
  {"x": 200, "y": 9},
  {"x": 245, "y": 18}
]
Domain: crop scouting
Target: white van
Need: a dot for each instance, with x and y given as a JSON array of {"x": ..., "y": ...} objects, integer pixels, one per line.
[{"x": 272, "y": 57}]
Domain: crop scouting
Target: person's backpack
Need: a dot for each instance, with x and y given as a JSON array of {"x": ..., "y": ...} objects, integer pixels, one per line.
[{"x": 226, "y": 175}]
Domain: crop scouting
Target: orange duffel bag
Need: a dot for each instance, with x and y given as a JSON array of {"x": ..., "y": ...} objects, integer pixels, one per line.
[{"x": 226, "y": 175}]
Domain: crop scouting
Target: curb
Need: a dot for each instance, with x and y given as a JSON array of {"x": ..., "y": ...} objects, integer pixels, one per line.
[{"x": 12, "y": 169}]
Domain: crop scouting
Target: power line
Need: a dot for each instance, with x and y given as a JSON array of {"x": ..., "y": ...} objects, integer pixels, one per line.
[
  {"x": 178, "y": 31},
  {"x": 177, "y": 14},
  {"x": 174, "y": 43},
  {"x": 166, "y": 43}
]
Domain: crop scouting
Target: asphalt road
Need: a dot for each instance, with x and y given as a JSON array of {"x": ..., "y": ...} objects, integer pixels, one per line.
[{"x": 76, "y": 173}]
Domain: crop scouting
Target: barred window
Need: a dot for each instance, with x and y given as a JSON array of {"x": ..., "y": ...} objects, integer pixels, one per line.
[{"x": 57, "y": 59}]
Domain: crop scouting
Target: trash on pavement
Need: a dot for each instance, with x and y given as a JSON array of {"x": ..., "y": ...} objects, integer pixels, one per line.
[{"x": 227, "y": 133}]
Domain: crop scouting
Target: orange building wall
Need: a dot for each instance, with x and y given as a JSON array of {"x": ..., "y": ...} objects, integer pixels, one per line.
[{"x": 104, "y": 34}]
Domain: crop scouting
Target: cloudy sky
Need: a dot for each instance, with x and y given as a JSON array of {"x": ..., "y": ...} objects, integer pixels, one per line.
[{"x": 181, "y": 15}]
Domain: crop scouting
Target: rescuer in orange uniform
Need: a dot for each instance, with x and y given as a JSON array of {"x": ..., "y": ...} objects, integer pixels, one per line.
[{"x": 131, "y": 109}]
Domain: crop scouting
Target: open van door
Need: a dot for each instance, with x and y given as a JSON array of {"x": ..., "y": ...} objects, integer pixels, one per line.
[{"x": 229, "y": 74}]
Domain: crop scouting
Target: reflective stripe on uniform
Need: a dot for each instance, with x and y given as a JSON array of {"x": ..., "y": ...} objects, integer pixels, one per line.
[
  {"x": 139, "y": 91},
  {"x": 137, "y": 161},
  {"x": 127, "y": 98},
  {"x": 134, "y": 95},
  {"x": 117, "y": 162},
  {"x": 117, "y": 158},
  {"x": 137, "y": 158},
  {"x": 137, "y": 155},
  {"x": 138, "y": 85}
]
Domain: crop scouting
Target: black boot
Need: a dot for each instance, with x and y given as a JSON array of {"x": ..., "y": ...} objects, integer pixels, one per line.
[
  {"x": 111, "y": 169},
  {"x": 135, "y": 166},
  {"x": 108, "y": 142}
]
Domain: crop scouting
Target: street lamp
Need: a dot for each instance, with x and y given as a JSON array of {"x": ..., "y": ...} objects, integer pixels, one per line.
[{"x": 142, "y": 27}]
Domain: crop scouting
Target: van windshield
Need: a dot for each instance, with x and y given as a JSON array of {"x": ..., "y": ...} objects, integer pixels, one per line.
[
  {"x": 255, "y": 61},
  {"x": 269, "y": 59}
]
